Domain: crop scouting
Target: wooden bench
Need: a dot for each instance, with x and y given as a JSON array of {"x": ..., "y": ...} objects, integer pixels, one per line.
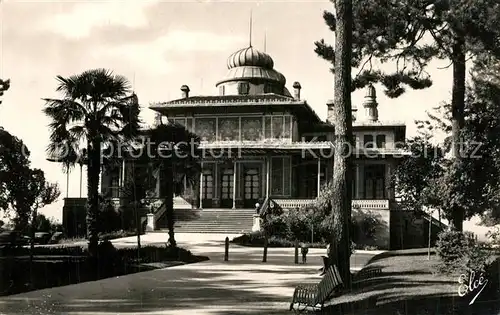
[{"x": 314, "y": 296}]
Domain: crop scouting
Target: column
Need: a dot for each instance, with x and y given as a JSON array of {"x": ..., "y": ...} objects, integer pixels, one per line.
[
  {"x": 234, "y": 185},
  {"x": 122, "y": 178},
  {"x": 268, "y": 170},
  {"x": 388, "y": 171},
  {"x": 201, "y": 187},
  {"x": 216, "y": 194},
  {"x": 319, "y": 177},
  {"x": 359, "y": 181}
]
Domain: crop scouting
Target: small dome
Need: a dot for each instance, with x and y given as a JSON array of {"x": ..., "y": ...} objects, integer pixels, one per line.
[{"x": 250, "y": 57}]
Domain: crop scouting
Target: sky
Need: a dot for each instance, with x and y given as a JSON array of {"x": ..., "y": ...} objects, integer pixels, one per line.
[{"x": 161, "y": 45}]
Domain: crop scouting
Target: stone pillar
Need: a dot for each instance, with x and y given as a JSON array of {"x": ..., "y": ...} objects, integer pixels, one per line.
[
  {"x": 359, "y": 181},
  {"x": 150, "y": 225},
  {"x": 257, "y": 223},
  {"x": 201, "y": 187},
  {"x": 216, "y": 194},
  {"x": 388, "y": 178},
  {"x": 268, "y": 170},
  {"x": 319, "y": 177},
  {"x": 234, "y": 185}
]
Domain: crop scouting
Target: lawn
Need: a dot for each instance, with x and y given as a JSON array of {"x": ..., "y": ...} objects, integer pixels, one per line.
[{"x": 407, "y": 285}]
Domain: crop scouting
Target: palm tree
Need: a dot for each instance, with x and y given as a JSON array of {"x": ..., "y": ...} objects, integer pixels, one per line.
[
  {"x": 177, "y": 158},
  {"x": 98, "y": 109}
]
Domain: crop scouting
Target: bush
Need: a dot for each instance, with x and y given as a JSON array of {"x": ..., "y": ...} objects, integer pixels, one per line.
[
  {"x": 460, "y": 253},
  {"x": 256, "y": 239}
]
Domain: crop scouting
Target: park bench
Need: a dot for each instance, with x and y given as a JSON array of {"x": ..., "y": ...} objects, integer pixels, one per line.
[{"x": 314, "y": 296}]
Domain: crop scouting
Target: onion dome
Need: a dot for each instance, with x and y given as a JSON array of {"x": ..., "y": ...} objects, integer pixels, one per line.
[
  {"x": 250, "y": 57},
  {"x": 249, "y": 64}
]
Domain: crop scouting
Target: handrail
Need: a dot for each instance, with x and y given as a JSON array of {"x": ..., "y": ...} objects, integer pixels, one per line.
[{"x": 262, "y": 210}]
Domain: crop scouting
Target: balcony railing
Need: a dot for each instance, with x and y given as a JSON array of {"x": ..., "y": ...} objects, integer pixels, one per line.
[{"x": 360, "y": 203}]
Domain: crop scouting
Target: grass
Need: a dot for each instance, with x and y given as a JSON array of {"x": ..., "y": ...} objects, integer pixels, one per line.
[{"x": 408, "y": 285}]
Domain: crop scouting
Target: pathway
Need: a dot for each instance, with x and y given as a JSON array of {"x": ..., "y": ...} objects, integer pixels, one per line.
[{"x": 243, "y": 285}]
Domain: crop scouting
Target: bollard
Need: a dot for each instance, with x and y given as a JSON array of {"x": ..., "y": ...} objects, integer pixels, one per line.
[
  {"x": 296, "y": 252},
  {"x": 226, "y": 250},
  {"x": 264, "y": 257}
]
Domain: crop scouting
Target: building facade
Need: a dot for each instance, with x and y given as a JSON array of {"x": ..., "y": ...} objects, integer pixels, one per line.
[{"x": 258, "y": 140}]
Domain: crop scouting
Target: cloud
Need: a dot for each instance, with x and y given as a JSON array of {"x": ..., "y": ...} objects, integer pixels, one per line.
[
  {"x": 158, "y": 56},
  {"x": 84, "y": 17}
]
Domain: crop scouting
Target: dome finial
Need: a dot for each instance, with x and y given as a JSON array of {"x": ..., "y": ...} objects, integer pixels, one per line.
[{"x": 250, "y": 39}]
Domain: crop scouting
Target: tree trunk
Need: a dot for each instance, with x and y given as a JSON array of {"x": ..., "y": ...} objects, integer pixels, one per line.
[
  {"x": 32, "y": 248},
  {"x": 93, "y": 171},
  {"x": 457, "y": 116},
  {"x": 342, "y": 193},
  {"x": 169, "y": 200}
]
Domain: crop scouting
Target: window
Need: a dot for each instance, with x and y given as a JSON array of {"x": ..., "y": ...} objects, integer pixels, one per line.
[
  {"x": 280, "y": 176},
  {"x": 115, "y": 182},
  {"x": 368, "y": 141},
  {"x": 222, "y": 90},
  {"x": 375, "y": 181},
  {"x": 229, "y": 129},
  {"x": 277, "y": 176},
  {"x": 380, "y": 141},
  {"x": 243, "y": 88},
  {"x": 268, "y": 88},
  {"x": 287, "y": 126},
  {"x": 205, "y": 128},
  {"x": 251, "y": 129}
]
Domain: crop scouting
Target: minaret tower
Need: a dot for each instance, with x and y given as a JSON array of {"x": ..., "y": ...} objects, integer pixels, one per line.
[{"x": 370, "y": 104}]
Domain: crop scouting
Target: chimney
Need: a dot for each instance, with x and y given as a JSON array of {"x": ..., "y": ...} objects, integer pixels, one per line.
[
  {"x": 185, "y": 91},
  {"x": 330, "y": 114},
  {"x": 370, "y": 104},
  {"x": 296, "y": 90}
]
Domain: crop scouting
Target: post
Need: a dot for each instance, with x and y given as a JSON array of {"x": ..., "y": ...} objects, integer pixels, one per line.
[
  {"x": 312, "y": 233},
  {"x": 226, "y": 249},
  {"x": 201, "y": 186},
  {"x": 67, "y": 180},
  {"x": 234, "y": 185},
  {"x": 81, "y": 170},
  {"x": 430, "y": 234},
  {"x": 264, "y": 257},
  {"x": 296, "y": 252},
  {"x": 268, "y": 170},
  {"x": 319, "y": 177}
]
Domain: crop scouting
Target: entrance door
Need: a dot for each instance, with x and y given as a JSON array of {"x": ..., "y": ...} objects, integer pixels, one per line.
[
  {"x": 208, "y": 189},
  {"x": 252, "y": 187},
  {"x": 227, "y": 187}
]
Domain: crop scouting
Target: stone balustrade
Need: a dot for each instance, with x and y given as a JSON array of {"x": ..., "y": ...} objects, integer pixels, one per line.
[{"x": 360, "y": 203}]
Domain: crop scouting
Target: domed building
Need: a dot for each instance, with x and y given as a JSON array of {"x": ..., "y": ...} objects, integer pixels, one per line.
[{"x": 260, "y": 143}]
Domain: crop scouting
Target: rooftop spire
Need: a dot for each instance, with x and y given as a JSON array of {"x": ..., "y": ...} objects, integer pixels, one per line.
[
  {"x": 250, "y": 39},
  {"x": 265, "y": 41}
]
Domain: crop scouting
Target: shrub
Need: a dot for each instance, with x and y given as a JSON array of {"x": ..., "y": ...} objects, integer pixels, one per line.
[{"x": 460, "y": 253}]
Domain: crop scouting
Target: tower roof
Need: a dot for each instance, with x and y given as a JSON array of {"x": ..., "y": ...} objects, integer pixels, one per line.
[{"x": 250, "y": 64}]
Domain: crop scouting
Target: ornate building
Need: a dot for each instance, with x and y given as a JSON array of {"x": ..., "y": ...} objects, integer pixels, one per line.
[{"x": 259, "y": 141}]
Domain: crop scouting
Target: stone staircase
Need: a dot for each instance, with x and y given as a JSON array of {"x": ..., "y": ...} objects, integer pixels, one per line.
[{"x": 220, "y": 221}]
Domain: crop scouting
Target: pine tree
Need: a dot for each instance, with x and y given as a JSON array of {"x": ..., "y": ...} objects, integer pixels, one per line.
[{"x": 408, "y": 34}]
